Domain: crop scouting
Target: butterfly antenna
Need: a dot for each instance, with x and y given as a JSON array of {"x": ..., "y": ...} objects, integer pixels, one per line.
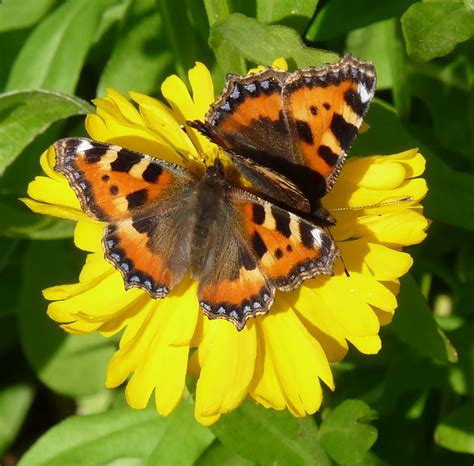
[
  {"x": 348, "y": 275},
  {"x": 377, "y": 204}
]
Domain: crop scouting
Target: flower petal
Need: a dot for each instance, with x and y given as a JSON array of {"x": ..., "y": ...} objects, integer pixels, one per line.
[
  {"x": 227, "y": 360},
  {"x": 297, "y": 357}
]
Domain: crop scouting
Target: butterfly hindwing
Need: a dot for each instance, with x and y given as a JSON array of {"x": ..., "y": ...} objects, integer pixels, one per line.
[
  {"x": 263, "y": 248},
  {"x": 146, "y": 202},
  {"x": 288, "y": 248}
]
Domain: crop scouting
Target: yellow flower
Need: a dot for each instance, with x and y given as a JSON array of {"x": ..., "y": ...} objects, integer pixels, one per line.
[{"x": 278, "y": 359}]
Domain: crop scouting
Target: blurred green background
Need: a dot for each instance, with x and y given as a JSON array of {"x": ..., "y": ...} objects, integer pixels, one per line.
[{"x": 410, "y": 405}]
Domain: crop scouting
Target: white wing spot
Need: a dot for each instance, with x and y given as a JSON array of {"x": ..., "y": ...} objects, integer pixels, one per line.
[
  {"x": 83, "y": 146},
  {"x": 316, "y": 234},
  {"x": 365, "y": 95}
]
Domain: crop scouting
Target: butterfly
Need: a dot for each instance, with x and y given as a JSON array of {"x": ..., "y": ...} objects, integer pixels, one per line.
[{"x": 163, "y": 221}]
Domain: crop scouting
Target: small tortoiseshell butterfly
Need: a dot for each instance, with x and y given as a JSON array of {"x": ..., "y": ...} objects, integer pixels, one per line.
[{"x": 288, "y": 134}]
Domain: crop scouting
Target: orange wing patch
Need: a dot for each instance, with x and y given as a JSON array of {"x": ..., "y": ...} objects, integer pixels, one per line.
[
  {"x": 289, "y": 249},
  {"x": 111, "y": 182},
  {"x": 127, "y": 249},
  {"x": 324, "y": 109},
  {"x": 248, "y": 116},
  {"x": 247, "y": 295}
]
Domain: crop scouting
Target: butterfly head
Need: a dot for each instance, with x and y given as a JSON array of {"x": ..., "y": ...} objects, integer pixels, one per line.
[{"x": 217, "y": 169}]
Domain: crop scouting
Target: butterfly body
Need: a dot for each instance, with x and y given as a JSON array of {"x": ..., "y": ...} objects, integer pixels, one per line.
[{"x": 288, "y": 134}]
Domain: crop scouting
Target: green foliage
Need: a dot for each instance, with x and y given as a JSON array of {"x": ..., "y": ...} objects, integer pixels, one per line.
[
  {"x": 433, "y": 29},
  {"x": 278, "y": 437},
  {"x": 410, "y": 404}
]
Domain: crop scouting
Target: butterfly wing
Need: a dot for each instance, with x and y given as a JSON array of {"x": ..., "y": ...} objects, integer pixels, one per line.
[
  {"x": 248, "y": 121},
  {"x": 324, "y": 108},
  {"x": 276, "y": 187},
  {"x": 262, "y": 248},
  {"x": 299, "y": 124},
  {"x": 248, "y": 116},
  {"x": 146, "y": 202}
]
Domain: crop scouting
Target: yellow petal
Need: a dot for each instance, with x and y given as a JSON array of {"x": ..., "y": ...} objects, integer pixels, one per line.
[
  {"x": 227, "y": 360},
  {"x": 54, "y": 210},
  {"x": 202, "y": 87},
  {"x": 47, "y": 162},
  {"x": 50, "y": 191},
  {"x": 163, "y": 365},
  {"x": 402, "y": 227},
  {"x": 88, "y": 236},
  {"x": 380, "y": 261},
  {"x": 367, "y": 345},
  {"x": 161, "y": 120},
  {"x": 321, "y": 324},
  {"x": 280, "y": 63},
  {"x": 297, "y": 357}
]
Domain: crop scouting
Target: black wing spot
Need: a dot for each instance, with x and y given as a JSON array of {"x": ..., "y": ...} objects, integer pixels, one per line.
[
  {"x": 114, "y": 190},
  {"x": 326, "y": 153},
  {"x": 258, "y": 245},
  {"x": 94, "y": 154},
  {"x": 289, "y": 248},
  {"x": 106, "y": 178},
  {"x": 313, "y": 109},
  {"x": 258, "y": 214},
  {"x": 344, "y": 131},
  {"x": 327, "y": 105},
  {"x": 304, "y": 132},
  {"x": 354, "y": 101},
  {"x": 278, "y": 253},
  {"x": 152, "y": 172},
  {"x": 282, "y": 221},
  {"x": 306, "y": 235},
  {"x": 145, "y": 224},
  {"x": 125, "y": 161},
  {"x": 247, "y": 260},
  {"x": 137, "y": 198}
]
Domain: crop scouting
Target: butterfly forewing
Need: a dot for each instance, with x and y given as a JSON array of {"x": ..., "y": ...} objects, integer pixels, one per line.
[
  {"x": 147, "y": 203},
  {"x": 324, "y": 109}
]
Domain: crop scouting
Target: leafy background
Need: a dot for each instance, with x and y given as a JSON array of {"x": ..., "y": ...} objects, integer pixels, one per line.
[{"x": 412, "y": 403}]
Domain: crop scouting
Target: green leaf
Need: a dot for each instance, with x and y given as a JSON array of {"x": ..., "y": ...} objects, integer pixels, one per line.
[
  {"x": 414, "y": 324},
  {"x": 442, "y": 90},
  {"x": 456, "y": 431},
  {"x": 183, "y": 37},
  {"x": 53, "y": 55},
  {"x": 123, "y": 436},
  {"x": 16, "y": 220},
  {"x": 381, "y": 43},
  {"x": 98, "y": 440},
  {"x": 337, "y": 17},
  {"x": 217, "y": 11},
  {"x": 184, "y": 439},
  {"x": 19, "y": 15},
  {"x": 345, "y": 433},
  {"x": 270, "y": 437},
  {"x": 15, "y": 401},
  {"x": 262, "y": 44},
  {"x": 218, "y": 455},
  {"x": 140, "y": 46},
  {"x": 292, "y": 13},
  {"x": 71, "y": 365},
  {"x": 25, "y": 114},
  {"x": 433, "y": 29}
]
